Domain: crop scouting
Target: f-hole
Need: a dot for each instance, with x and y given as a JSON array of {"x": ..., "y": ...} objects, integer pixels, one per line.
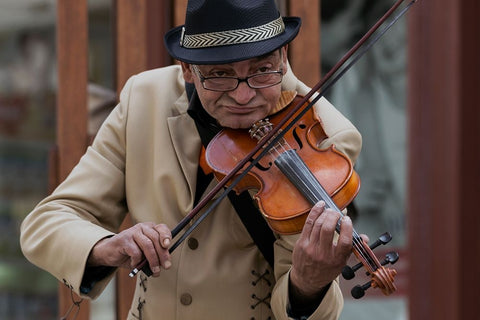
[
  {"x": 262, "y": 168},
  {"x": 296, "y": 136},
  {"x": 298, "y": 140}
]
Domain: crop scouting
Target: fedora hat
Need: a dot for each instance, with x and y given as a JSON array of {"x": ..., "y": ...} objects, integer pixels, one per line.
[{"x": 224, "y": 31}]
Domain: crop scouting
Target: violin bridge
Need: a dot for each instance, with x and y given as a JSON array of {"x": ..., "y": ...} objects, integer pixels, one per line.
[{"x": 260, "y": 129}]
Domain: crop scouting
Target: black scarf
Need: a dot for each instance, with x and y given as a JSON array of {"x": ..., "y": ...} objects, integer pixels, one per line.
[{"x": 248, "y": 212}]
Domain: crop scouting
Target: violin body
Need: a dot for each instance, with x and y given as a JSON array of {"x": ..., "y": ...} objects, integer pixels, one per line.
[{"x": 280, "y": 201}]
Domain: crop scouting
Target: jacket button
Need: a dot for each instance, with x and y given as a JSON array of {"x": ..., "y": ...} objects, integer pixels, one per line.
[
  {"x": 192, "y": 243},
  {"x": 186, "y": 299}
]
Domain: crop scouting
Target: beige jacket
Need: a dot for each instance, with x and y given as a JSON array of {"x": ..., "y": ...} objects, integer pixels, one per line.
[{"x": 144, "y": 161}]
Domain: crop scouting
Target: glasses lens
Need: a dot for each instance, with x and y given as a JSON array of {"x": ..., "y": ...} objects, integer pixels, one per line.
[
  {"x": 220, "y": 84},
  {"x": 265, "y": 79}
]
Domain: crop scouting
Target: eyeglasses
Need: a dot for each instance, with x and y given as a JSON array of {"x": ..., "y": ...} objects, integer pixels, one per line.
[{"x": 255, "y": 81}]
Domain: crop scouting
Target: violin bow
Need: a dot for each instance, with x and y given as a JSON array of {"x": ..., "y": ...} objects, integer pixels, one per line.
[{"x": 276, "y": 134}]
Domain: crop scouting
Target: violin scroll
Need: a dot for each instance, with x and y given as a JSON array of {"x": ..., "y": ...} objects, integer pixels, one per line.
[{"x": 381, "y": 277}]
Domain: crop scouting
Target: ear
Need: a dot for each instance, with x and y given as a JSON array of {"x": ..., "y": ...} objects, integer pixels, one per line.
[
  {"x": 285, "y": 58},
  {"x": 187, "y": 72}
]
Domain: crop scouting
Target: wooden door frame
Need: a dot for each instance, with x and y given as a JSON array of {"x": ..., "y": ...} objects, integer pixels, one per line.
[
  {"x": 444, "y": 158},
  {"x": 139, "y": 29},
  {"x": 72, "y": 140}
]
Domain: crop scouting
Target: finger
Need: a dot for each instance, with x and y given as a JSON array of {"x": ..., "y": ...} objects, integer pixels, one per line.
[
  {"x": 132, "y": 254},
  {"x": 165, "y": 235},
  {"x": 327, "y": 232},
  {"x": 152, "y": 233},
  {"x": 312, "y": 217},
  {"x": 317, "y": 227},
  {"x": 365, "y": 238},
  {"x": 160, "y": 236},
  {"x": 148, "y": 249},
  {"x": 345, "y": 239},
  {"x": 165, "y": 239}
]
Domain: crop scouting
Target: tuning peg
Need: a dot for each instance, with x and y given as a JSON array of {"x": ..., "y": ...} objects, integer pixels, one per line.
[
  {"x": 383, "y": 239},
  {"x": 390, "y": 257},
  {"x": 348, "y": 272},
  {"x": 359, "y": 291}
]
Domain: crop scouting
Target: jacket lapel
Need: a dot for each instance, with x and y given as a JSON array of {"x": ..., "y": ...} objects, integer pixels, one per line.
[{"x": 187, "y": 144}]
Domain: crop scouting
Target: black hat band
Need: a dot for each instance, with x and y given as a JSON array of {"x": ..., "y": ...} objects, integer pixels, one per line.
[{"x": 231, "y": 37}]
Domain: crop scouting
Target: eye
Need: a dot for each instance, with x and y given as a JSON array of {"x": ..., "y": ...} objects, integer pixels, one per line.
[
  {"x": 263, "y": 69},
  {"x": 218, "y": 74}
]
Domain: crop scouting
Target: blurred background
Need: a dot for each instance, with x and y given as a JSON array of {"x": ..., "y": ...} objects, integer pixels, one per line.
[
  {"x": 373, "y": 94},
  {"x": 28, "y": 90}
]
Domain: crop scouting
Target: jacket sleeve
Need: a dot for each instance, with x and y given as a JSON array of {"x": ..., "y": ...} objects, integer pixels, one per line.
[
  {"x": 332, "y": 303},
  {"x": 89, "y": 205}
]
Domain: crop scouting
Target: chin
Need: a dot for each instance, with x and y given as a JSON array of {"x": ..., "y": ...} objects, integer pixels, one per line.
[{"x": 238, "y": 123}]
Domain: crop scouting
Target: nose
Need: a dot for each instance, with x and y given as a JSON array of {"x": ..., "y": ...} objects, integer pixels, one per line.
[{"x": 243, "y": 94}]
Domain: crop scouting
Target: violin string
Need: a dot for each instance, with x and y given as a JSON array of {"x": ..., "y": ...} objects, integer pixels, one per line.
[
  {"x": 301, "y": 173},
  {"x": 357, "y": 242}
]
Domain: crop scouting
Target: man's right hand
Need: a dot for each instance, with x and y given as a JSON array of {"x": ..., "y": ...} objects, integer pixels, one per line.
[{"x": 129, "y": 247}]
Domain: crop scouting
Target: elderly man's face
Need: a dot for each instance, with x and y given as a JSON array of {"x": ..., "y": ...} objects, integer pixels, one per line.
[{"x": 243, "y": 106}]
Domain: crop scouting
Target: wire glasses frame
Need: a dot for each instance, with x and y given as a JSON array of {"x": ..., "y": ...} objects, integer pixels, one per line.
[{"x": 254, "y": 81}]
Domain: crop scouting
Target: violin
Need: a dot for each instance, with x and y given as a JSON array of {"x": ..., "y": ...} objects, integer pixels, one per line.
[{"x": 292, "y": 177}]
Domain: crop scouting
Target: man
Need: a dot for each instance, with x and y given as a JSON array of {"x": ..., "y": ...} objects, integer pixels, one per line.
[{"x": 145, "y": 161}]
